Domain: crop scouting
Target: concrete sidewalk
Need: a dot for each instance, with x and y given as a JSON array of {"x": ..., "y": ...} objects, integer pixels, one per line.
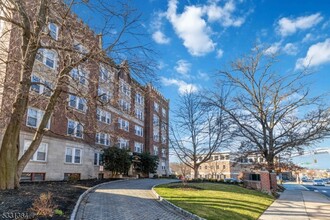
[{"x": 298, "y": 203}]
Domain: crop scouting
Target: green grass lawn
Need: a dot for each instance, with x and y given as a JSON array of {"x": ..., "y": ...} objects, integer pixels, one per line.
[{"x": 217, "y": 201}]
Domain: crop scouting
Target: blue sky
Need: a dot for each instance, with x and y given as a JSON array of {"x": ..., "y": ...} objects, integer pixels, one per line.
[{"x": 195, "y": 38}]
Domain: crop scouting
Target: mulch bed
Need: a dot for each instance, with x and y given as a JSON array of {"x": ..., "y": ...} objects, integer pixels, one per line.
[{"x": 15, "y": 204}]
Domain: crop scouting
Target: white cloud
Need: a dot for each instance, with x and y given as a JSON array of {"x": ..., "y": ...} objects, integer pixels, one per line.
[
  {"x": 290, "y": 49},
  {"x": 308, "y": 37},
  {"x": 219, "y": 53},
  {"x": 156, "y": 26},
  {"x": 182, "y": 67},
  {"x": 317, "y": 54},
  {"x": 273, "y": 49},
  {"x": 203, "y": 76},
  {"x": 191, "y": 28},
  {"x": 224, "y": 15},
  {"x": 287, "y": 26},
  {"x": 183, "y": 87},
  {"x": 161, "y": 65},
  {"x": 160, "y": 38}
]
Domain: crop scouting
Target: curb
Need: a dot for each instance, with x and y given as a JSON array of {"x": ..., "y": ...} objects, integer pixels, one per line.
[
  {"x": 81, "y": 197},
  {"x": 180, "y": 210}
]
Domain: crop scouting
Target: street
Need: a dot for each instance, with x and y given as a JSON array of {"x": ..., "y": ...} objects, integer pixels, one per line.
[{"x": 325, "y": 190}]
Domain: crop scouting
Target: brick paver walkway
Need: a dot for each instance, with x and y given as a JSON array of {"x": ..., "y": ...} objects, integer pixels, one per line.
[{"x": 130, "y": 199}]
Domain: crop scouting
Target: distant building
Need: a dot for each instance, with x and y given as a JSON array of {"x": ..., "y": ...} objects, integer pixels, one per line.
[{"x": 227, "y": 165}]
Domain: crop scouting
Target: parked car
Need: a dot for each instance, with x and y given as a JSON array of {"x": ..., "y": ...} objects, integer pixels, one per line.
[
  {"x": 232, "y": 180},
  {"x": 318, "y": 182},
  {"x": 326, "y": 180}
]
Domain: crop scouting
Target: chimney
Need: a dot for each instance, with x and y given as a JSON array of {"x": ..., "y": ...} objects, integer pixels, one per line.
[{"x": 99, "y": 36}]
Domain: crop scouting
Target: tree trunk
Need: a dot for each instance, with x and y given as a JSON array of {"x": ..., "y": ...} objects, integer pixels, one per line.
[
  {"x": 270, "y": 163},
  {"x": 196, "y": 172},
  {"x": 10, "y": 144},
  {"x": 8, "y": 163}
]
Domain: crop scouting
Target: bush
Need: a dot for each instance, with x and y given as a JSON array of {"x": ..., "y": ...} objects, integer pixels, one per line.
[
  {"x": 58, "y": 212},
  {"x": 198, "y": 180},
  {"x": 172, "y": 176},
  {"x": 44, "y": 206}
]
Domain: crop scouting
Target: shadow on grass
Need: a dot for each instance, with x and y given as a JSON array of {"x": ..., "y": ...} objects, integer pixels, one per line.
[
  {"x": 219, "y": 201},
  {"x": 219, "y": 187},
  {"x": 214, "y": 199}
]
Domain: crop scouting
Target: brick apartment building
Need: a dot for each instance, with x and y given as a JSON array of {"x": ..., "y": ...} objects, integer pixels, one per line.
[
  {"x": 224, "y": 165},
  {"x": 102, "y": 106}
]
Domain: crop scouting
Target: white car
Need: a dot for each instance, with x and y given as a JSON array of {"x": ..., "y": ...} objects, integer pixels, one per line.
[{"x": 318, "y": 183}]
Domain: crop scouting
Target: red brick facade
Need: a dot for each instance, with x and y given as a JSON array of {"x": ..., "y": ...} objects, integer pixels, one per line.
[{"x": 121, "y": 91}]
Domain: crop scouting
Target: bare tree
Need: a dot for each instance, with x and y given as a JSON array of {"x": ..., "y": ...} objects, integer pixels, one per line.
[
  {"x": 197, "y": 132},
  {"x": 180, "y": 169},
  {"x": 273, "y": 113},
  {"x": 25, "y": 25}
]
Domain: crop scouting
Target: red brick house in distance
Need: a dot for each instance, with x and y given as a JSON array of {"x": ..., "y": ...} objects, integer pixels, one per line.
[{"x": 103, "y": 106}]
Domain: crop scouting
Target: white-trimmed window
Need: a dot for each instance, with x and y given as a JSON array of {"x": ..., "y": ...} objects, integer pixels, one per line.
[
  {"x": 34, "y": 117},
  {"x": 103, "y": 116},
  {"x": 124, "y": 105},
  {"x": 47, "y": 57},
  {"x": 97, "y": 158},
  {"x": 138, "y": 147},
  {"x": 125, "y": 88},
  {"x": 103, "y": 95},
  {"x": 80, "y": 48},
  {"x": 53, "y": 30},
  {"x": 123, "y": 143},
  {"x": 155, "y": 120},
  {"x": 41, "y": 86},
  {"x": 79, "y": 75},
  {"x": 104, "y": 73},
  {"x": 163, "y": 152},
  {"x": 41, "y": 154},
  {"x": 156, "y": 136},
  {"x": 75, "y": 129},
  {"x": 156, "y": 107},
  {"x": 164, "y": 138},
  {"x": 123, "y": 124},
  {"x": 73, "y": 155},
  {"x": 77, "y": 103},
  {"x": 139, "y": 99},
  {"x": 155, "y": 150},
  {"x": 138, "y": 131},
  {"x": 102, "y": 138},
  {"x": 139, "y": 114},
  {"x": 164, "y": 112},
  {"x": 163, "y": 165}
]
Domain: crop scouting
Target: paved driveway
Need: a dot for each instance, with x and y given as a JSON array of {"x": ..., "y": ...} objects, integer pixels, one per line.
[{"x": 129, "y": 199}]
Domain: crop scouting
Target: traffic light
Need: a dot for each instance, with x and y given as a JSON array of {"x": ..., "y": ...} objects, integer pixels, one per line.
[{"x": 315, "y": 161}]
